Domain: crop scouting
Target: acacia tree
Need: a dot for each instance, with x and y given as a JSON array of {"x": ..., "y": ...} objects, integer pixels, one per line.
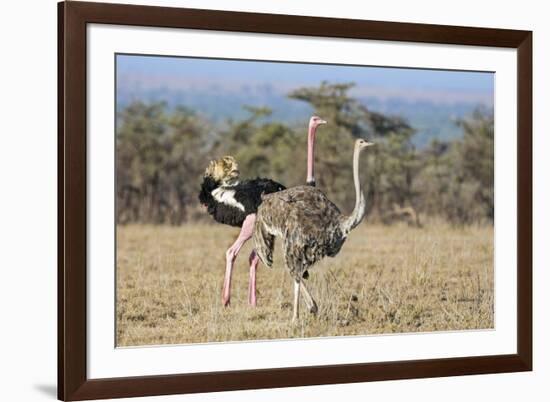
[
  {"x": 456, "y": 181},
  {"x": 389, "y": 169},
  {"x": 262, "y": 147},
  {"x": 159, "y": 160},
  {"x": 138, "y": 156}
]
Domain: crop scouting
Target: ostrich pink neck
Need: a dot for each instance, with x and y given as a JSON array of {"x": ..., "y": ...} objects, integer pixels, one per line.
[{"x": 311, "y": 154}]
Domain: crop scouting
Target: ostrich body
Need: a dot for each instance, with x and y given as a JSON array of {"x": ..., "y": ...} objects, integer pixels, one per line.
[
  {"x": 232, "y": 202},
  {"x": 310, "y": 225}
]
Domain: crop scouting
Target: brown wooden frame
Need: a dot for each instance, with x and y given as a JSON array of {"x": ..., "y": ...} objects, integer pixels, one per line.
[{"x": 73, "y": 383}]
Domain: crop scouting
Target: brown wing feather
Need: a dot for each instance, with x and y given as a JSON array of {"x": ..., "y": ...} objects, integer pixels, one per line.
[{"x": 308, "y": 222}]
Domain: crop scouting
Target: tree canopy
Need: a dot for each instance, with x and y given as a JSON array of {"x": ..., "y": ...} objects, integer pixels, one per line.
[{"x": 161, "y": 154}]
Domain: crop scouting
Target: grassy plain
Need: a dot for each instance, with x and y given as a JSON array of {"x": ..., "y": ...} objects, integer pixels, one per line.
[{"x": 386, "y": 279}]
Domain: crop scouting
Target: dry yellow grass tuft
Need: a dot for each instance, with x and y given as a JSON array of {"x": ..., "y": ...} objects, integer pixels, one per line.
[{"x": 385, "y": 280}]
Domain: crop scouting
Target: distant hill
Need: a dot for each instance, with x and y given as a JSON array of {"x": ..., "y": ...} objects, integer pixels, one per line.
[{"x": 432, "y": 119}]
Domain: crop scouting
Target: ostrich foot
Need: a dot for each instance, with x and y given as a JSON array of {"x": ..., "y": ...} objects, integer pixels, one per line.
[
  {"x": 312, "y": 306},
  {"x": 314, "y": 309},
  {"x": 226, "y": 293}
]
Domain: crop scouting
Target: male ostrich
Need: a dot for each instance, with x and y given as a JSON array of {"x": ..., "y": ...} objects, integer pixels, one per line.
[
  {"x": 310, "y": 225},
  {"x": 233, "y": 202}
]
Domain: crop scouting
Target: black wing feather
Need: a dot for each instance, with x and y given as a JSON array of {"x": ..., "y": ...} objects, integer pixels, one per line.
[{"x": 249, "y": 192}]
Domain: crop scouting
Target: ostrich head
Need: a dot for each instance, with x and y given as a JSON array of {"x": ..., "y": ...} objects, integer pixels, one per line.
[
  {"x": 361, "y": 144},
  {"x": 316, "y": 121},
  {"x": 224, "y": 170}
]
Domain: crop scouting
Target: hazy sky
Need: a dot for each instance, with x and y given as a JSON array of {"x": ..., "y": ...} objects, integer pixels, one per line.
[{"x": 289, "y": 74}]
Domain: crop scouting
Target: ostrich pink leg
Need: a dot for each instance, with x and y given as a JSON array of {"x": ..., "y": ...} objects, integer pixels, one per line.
[
  {"x": 232, "y": 252},
  {"x": 253, "y": 260}
]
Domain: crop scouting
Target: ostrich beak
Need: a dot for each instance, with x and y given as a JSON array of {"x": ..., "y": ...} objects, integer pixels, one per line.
[
  {"x": 322, "y": 122},
  {"x": 362, "y": 144}
]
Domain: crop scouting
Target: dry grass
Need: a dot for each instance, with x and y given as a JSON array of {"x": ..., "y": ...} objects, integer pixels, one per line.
[{"x": 385, "y": 280}]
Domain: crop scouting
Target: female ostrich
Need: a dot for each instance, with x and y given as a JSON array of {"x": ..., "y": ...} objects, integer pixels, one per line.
[
  {"x": 234, "y": 203},
  {"x": 310, "y": 225}
]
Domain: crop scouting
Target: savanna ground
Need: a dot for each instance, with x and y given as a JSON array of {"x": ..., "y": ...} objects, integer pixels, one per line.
[{"x": 386, "y": 279}]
